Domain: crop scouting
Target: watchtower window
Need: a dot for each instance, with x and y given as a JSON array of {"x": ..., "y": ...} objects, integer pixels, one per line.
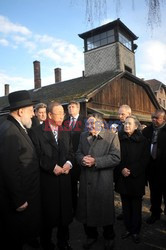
[
  {"x": 101, "y": 39},
  {"x": 125, "y": 41},
  {"x": 128, "y": 69}
]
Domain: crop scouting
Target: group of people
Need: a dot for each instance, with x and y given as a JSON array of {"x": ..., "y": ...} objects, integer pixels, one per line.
[{"x": 55, "y": 168}]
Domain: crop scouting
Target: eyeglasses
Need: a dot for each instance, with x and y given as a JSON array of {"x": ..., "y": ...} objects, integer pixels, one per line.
[
  {"x": 155, "y": 117},
  {"x": 60, "y": 114}
]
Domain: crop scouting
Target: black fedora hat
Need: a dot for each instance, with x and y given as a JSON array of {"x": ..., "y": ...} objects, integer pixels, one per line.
[{"x": 20, "y": 99}]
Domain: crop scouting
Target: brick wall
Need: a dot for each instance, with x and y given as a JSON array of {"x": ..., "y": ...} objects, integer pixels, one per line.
[
  {"x": 161, "y": 97},
  {"x": 108, "y": 58},
  {"x": 127, "y": 58}
]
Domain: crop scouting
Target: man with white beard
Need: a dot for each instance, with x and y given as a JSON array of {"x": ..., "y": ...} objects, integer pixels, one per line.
[{"x": 19, "y": 175}]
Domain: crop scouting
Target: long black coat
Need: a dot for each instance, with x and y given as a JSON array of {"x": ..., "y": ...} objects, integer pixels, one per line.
[
  {"x": 157, "y": 168},
  {"x": 75, "y": 137},
  {"x": 134, "y": 156},
  {"x": 19, "y": 181},
  {"x": 55, "y": 190}
]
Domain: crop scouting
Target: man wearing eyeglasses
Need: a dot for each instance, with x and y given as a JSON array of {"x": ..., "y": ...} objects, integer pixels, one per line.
[
  {"x": 156, "y": 135},
  {"x": 53, "y": 146},
  {"x": 98, "y": 154}
]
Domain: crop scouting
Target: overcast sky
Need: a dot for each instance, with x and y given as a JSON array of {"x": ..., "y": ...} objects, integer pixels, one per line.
[{"x": 47, "y": 31}]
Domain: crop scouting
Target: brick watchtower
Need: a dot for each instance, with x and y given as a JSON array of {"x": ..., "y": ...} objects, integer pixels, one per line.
[{"x": 109, "y": 47}]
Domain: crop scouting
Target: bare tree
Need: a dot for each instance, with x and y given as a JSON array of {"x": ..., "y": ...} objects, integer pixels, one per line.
[
  {"x": 97, "y": 9},
  {"x": 154, "y": 12}
]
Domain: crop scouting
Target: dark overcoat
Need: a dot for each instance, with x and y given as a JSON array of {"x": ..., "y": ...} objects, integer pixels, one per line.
[
  {"x": 156, "y": 168},
  {"x": 96, "y": 195},
  {"x": 55, "y": 190},
  {"x": 75, "y": 137},
  {"x": 19, "y": 181},
  {"x": 135, "y": 157}
]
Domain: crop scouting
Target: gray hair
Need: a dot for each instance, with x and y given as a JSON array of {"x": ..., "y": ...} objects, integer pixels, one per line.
[
  {"x": 136, "y": 121},
  {"x": 74, "y": 102},
  {"x": 97, "y": 116},
  {"x": 127, "y": 107},
  {"x": 40, "y": 105},
  {"x": 51, "y": 105}
]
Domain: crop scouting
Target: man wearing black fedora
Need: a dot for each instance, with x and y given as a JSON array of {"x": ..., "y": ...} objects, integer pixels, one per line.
[{"x": 19, "y": 175}]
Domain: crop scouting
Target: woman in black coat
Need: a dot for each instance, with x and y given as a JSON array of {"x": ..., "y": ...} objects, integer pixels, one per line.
[{"x": 130, "y": 176}]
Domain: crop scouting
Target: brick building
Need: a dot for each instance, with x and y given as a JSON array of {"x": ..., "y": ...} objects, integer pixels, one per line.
[{"x": 159, "y": 89}]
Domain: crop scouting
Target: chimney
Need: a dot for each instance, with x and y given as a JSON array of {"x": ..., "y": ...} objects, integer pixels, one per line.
[
  {"x": 57, "y": 75},
  {"x": 37, "y": 79},
  {"x": 6, "y": 89}
]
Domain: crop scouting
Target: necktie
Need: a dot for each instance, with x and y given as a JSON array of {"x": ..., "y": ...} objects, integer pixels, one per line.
[
  {"x": 25, "y": 130},
  {"x": 56, "y": 136},
  {"x": 94, "y": 137},
  {"x": 154, "y": 150},
  {"x": 154, "y": 144},
  {"x": 72, "y": 122}
]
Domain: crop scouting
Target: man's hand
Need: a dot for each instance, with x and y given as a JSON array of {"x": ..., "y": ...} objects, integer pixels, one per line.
[
  {"x": 66, "y": 168},
  {"x": 125, "y": 172},
  {"x": 58, "y": 170},
  {"x": 23, "y": 207},
  {"x": 88, "y": 161}
]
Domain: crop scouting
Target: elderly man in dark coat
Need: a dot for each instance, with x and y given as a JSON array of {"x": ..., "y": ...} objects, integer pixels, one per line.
[
  {"x": 98, "y": 153},
  {"x": 53, "y": 145},
  {"x": 156, "y": 135},
  {"x": 19, "y": 175}
]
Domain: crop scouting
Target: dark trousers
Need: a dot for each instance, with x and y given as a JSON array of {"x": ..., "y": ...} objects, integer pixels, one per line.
[
  {"x": 10, "y": 238},
  {"x": 9, "y": 242},
  {"x": 157, "y": 192},
  {"x": 132, "y": 211},
  {"x": 91, "y": 232},
  {"x": 74, "y": 188},
  {"x": 75, "y": 176},
  {"x": 62, "y": 235}
]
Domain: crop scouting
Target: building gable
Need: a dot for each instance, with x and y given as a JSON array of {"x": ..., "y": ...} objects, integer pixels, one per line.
[{"x": 124, "y": 89}]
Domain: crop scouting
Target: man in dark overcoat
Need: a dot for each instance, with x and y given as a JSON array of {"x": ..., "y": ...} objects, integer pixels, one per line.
[
  {"x": 75, "y": 123},
  {"x": 53, "y": 145},
  {"x": 98, "y": 153},
  {"x": 19, "y": 175},
  {"x": 156, "y": 174}
]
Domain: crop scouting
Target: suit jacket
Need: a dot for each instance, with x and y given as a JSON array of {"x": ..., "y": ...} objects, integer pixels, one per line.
[
  {"x": 96, "y": 195},
  {"x": 55, "y": 190},
  {"x": 156, "y": 168},
  {"x": 76, "y": 131},
  {"x": 19, "y": 180},
  {"x": 75, "y": 136}
]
